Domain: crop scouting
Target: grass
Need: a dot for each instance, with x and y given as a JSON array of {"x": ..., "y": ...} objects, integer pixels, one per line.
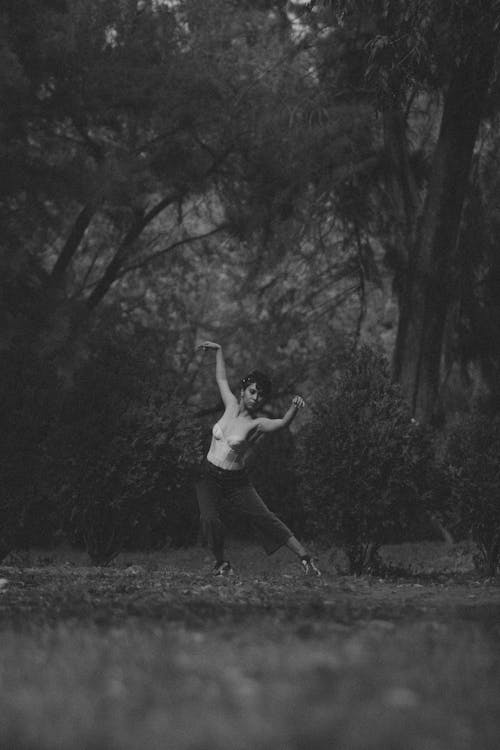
[{"x": 153, "y": 653}]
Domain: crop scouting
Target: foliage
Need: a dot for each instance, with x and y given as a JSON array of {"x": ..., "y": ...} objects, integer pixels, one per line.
[
  {"x": 123, "y": 457},
  {"x": 366, "y": 466},
  {"x": 412, "y": 42},
  {"x": 29, "y": 400},
  {"x": 113, "y": 114},
  {"x": 128, "y": 116},
  {"x": 472, "y": 454}
]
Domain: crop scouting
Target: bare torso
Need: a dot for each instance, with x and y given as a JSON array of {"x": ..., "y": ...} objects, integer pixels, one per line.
[{"x": 234, "y": 438}]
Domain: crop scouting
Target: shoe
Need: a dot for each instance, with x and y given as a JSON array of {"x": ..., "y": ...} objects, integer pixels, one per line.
[
  {"x": 223, "y": 568},
  {"x": 309, "y": 566}
]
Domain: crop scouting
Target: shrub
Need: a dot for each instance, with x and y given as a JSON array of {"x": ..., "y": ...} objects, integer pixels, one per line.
[
  {"x": 473, "y": 450},
  {"x": 28, "y": 404},
  {"x": 123, "y": 460},
  {"x": 366, "y": 466}
]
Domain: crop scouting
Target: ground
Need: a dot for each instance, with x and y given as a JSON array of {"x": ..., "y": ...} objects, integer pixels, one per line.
[{"x": 153, "y": 652}]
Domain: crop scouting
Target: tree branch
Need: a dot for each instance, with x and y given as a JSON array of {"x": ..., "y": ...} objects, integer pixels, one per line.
[
  {"x": 171, "y": 247},
  {"x": 111, "y": 272},
  {"x": 72, "y": 243}
]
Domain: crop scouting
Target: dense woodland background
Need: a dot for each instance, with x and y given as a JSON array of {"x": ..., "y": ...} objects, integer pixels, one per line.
[{"x": 313, "y": 185}]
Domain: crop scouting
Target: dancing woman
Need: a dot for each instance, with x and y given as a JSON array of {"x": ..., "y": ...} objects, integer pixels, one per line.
[{"x": 225, "y": 484}]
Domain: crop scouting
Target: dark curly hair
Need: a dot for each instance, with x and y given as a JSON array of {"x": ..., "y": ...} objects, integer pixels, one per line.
[{"x": 261, "y": 380}]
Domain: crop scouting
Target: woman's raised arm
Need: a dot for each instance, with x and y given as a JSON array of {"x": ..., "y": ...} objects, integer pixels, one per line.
[{"x": 226, "y": 393}]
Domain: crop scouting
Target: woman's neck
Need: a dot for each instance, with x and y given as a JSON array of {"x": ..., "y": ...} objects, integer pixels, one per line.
[{"x": 243, "y": 411}]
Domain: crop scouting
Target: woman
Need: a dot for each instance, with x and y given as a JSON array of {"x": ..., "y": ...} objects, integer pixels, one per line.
[{"x": 225, "y": 484}]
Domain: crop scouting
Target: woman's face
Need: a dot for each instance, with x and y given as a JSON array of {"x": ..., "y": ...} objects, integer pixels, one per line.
[{"x": 252, "y": 397}]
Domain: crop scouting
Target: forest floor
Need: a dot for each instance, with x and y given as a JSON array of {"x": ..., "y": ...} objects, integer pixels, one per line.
[{"x": 154, "y": 653}]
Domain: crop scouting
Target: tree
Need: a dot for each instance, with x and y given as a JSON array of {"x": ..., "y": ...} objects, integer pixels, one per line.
[
  {"x": 430, "y": 288},
  {"x": 410, "y": 56},
  {"x": 473, "y": 343},
  {"x": 114, "y": 118}
]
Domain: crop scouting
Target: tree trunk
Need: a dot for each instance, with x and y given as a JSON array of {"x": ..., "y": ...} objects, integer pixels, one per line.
[
  {"x": 429, "y": 284},
  {"x": 401, "y": 182}
]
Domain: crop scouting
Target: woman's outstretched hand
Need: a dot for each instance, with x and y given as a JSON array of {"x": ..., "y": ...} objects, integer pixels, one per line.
[
  {"x": 208, "y": 345},
  {"x": 298, "y": 402}
]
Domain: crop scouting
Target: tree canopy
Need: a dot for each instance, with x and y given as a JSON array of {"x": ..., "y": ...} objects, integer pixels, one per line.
[{"x": 258, "y": 171}]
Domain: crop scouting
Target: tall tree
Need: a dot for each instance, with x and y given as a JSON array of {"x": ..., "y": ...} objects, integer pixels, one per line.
[
  {"x": 411, "y": 54},
  {"x": 430, "y": 289}
]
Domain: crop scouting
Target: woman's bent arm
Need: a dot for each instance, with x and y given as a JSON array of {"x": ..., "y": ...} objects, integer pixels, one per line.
[{"x": 271, "y": 425}]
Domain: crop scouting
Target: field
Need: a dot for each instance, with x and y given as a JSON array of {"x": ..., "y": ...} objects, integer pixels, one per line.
[{"x": 154, "y": 653}]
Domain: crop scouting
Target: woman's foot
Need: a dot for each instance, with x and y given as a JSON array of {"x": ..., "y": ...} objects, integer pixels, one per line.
[
  {"x": 223, "y": 568},
  {"x": 309, "y": 566}
]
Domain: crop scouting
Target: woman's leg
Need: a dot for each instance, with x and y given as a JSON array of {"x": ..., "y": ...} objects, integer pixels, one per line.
[
  {"x": 272, "y": 532},
  {"x": 296, "y": 547},
  {"x": 305, "y": 558},
  {"x": 212, "y": 527}
]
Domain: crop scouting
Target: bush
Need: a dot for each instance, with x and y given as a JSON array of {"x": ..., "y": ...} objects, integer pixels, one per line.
[
  {"x": 28, "y": 404},
  {"x": 473, "y": 450},
  {"x": 367, "y": 467},
  {"x": 123, "y": 458}
]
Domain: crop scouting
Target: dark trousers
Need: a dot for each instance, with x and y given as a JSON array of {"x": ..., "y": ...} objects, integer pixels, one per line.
[{"x": 220, "y": 493}]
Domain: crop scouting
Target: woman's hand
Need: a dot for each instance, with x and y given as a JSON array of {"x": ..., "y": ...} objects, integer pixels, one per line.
[
  {"x": 298, "y": 402},
  {"x": 208, "y": 345}
]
